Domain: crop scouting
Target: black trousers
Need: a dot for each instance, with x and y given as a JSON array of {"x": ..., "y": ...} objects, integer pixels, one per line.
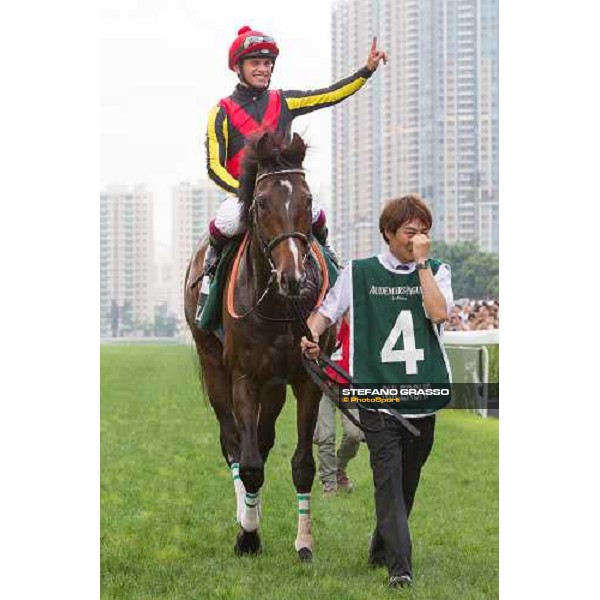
[{"x": 396, "y": 460}]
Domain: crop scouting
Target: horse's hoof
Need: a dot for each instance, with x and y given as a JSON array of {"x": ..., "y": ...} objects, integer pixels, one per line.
[
  {"x": 247, "y": 542},
  {"x": 305, "y": 555}
]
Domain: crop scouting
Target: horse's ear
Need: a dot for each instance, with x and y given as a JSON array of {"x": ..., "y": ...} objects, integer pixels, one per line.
[
  {"x": 264, "y": 146},
  {"x": 298, "y": 147}
]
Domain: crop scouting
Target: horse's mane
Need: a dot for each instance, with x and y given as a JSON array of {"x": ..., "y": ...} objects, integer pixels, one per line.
[{"x": 268, "y": 152}]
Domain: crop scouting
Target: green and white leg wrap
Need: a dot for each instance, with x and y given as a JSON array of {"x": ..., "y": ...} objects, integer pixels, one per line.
[
  {"x": 240, "y": 491},
  {"x": 250, "y": 517},
  {"x": 304, "y": 537}
]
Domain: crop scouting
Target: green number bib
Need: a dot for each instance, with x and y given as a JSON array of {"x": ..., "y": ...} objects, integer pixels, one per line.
[{"x": 392, "y": 340}]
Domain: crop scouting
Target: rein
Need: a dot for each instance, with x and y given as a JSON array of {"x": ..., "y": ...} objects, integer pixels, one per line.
[{"x": 328, "y": 385}]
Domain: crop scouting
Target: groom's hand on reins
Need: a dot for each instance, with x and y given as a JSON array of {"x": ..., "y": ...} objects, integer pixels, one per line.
[
  {"x": 375, "y": 56},
  {"x": 310, "y": 349}
]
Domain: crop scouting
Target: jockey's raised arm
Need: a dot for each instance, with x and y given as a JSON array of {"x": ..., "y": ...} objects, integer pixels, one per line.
[
  {"x": 253, "y": 107},
  {"x": 224, "y": 140}
]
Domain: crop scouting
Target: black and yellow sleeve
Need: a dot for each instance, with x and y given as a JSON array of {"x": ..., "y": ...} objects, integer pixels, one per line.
[
  {"x": 304, "y": 102},
  {"x": 216, "y": 151}
]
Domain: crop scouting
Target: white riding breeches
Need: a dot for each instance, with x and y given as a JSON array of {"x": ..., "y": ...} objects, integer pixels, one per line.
[{"x": 228, "y": 218}]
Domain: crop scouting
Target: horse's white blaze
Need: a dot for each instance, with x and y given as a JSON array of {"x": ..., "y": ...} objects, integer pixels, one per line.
[
  {"x": 286, "y": 184},
  {"x": 296, "y": 255}
]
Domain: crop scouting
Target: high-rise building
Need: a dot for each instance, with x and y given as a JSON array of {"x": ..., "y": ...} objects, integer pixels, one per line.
[
  {"x": 427, "y": 123},
  {"x": 126, "y": 261},
  {"x": 193, "y": 207},
  {"x": 163, "y": 276}
]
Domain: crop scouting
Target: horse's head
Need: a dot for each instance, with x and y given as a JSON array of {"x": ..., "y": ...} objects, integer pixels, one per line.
[{"x": 277, "y": 206}]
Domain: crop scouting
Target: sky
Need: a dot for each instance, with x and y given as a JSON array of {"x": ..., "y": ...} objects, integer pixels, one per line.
[{"x": 164, "y": 65}]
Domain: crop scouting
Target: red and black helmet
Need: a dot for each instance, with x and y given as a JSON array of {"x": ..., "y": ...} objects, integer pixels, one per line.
[{"x": 250, "y": 43}]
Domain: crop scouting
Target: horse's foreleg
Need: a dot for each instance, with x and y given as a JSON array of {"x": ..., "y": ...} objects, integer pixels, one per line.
[
  {"x": 303, "y": 463},
  {"x": 272, "y": 399},
  {"x": 245, "y": 406}
]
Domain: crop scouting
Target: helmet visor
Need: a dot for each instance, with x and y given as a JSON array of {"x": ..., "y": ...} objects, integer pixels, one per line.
[{"x": 257, "y": 39}]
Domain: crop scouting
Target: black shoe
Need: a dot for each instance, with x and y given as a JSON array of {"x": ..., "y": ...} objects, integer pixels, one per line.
[
  {"x": 400, "y": 581},
  {"x": 211, "y": 260}
]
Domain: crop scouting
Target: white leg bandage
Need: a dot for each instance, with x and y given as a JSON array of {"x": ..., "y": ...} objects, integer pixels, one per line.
[
  {"x": 250, "y": 517},
  {"x": 304, "y": 537},
  {"x": 240, "y": 491}
]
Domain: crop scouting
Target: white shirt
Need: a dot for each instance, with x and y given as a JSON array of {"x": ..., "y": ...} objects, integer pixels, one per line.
[{"x": 337, "y": 301}]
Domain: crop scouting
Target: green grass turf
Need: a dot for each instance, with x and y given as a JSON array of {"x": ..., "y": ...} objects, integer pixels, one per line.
[{"x": 167, "y": 502}]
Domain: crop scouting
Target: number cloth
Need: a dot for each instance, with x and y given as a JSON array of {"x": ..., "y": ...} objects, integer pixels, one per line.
[
  {"x": 339, "y": 299},
  {"x": 392, "y": 339}
]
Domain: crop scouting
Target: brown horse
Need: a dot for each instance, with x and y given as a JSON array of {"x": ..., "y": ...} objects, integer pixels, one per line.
[{"x": 246, "y": 375}]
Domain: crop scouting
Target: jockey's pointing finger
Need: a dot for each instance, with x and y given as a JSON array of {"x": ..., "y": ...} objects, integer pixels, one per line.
[{"x": 375, "y": 56}]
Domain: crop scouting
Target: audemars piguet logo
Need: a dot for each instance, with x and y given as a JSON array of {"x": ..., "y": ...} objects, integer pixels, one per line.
[{"x": 400, "y": 290}]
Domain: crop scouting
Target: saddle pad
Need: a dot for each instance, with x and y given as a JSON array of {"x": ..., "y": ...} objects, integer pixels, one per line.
[{"x": 210, "y": 319}]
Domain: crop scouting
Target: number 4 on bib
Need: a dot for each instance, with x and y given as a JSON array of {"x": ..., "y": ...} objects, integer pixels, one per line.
[{"x": 410, "y": 354}]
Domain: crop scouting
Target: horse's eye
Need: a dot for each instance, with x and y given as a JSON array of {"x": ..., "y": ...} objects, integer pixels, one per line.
[{"x": 260, "y": 201}]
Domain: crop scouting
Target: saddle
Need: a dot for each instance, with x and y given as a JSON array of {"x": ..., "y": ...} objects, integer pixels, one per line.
[{"x": 211, "y": 318}]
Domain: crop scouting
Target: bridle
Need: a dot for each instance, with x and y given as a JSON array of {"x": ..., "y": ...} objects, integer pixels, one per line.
[{"x": 268, "y": 245}]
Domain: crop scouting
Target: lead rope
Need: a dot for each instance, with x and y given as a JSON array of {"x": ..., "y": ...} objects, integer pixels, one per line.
[{"x": 327, "y": 384}]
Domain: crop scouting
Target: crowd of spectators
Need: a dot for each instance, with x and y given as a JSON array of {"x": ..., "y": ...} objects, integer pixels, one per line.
[{"x": 474, "y": 315}]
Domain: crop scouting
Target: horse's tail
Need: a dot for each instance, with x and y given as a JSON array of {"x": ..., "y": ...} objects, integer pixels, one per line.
[{"x": 201, "y": 378}]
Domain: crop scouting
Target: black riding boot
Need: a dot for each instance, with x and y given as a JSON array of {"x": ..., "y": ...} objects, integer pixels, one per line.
[
  {"x": 209, "y": 268},
  {"x": 211, "y": 259}
]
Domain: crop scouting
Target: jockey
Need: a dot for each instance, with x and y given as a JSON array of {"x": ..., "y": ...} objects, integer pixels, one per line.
[{"x": 252, "y": 108}]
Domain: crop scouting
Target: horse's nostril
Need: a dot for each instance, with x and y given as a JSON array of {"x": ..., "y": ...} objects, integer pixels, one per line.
[
  {"x": 290, "y": 285},
  {"x": 294, "y": 287}
]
